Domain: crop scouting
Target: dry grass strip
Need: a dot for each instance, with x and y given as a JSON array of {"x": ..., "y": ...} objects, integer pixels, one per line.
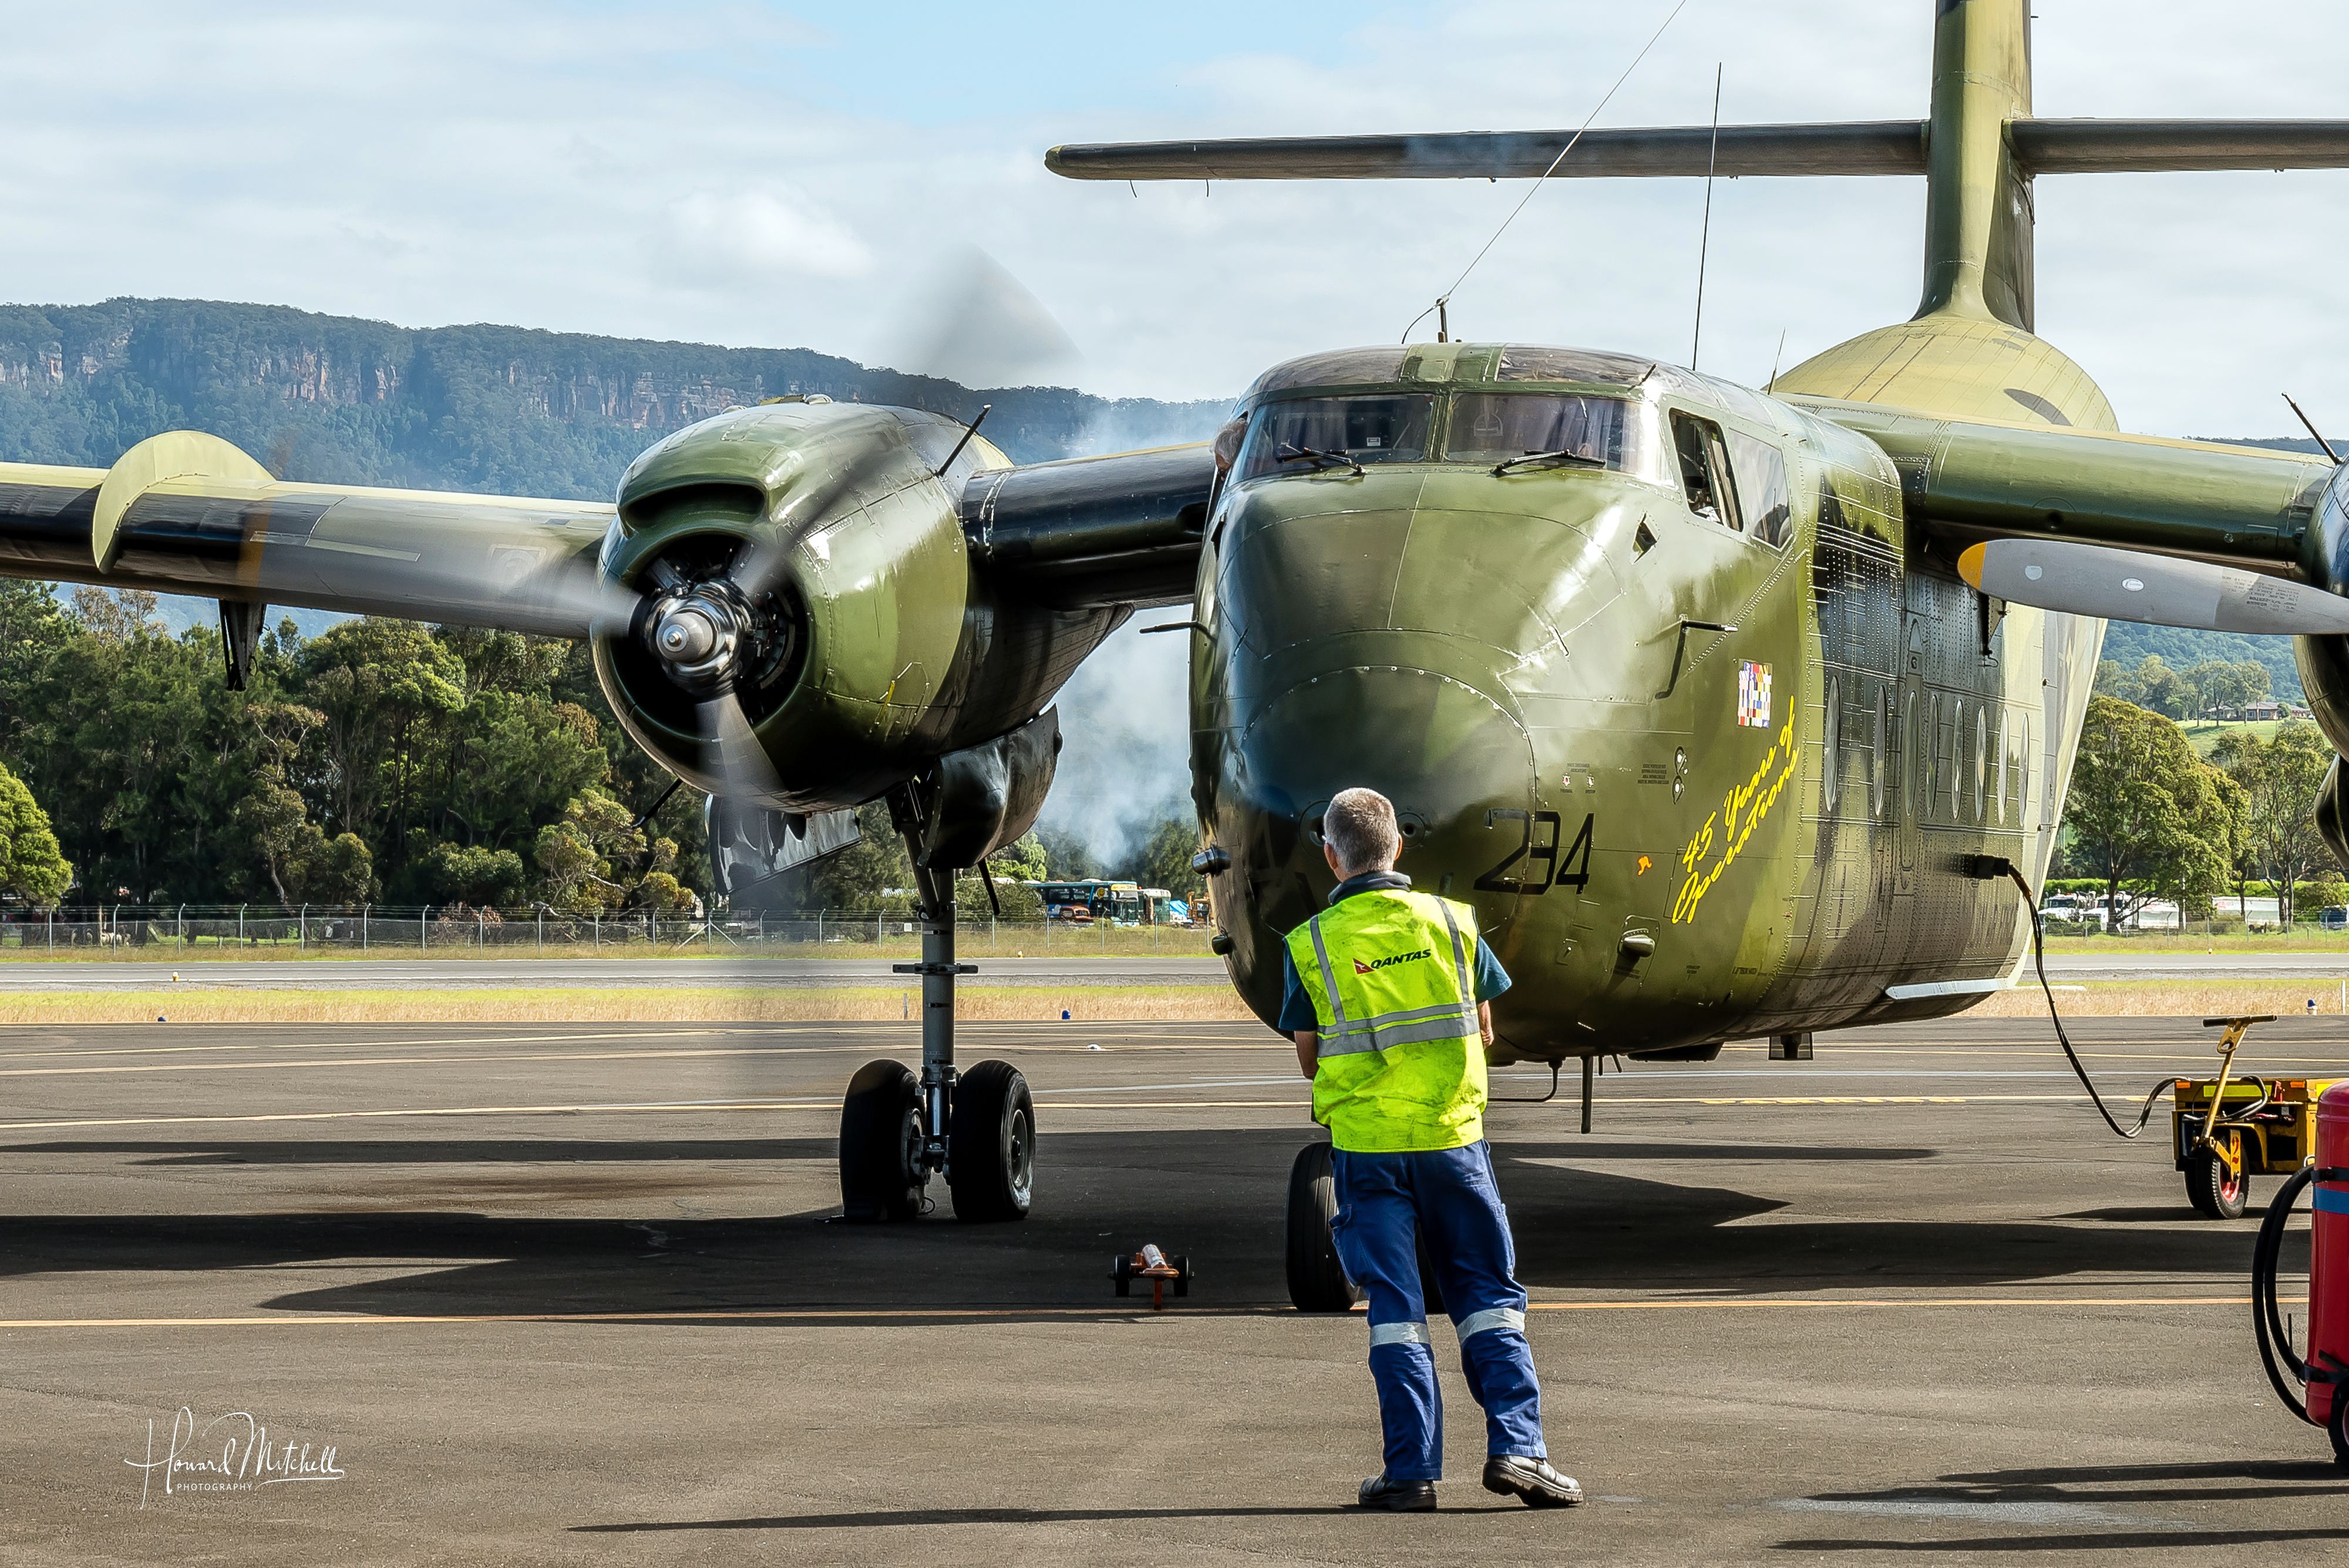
[
  {"x": 192, "y": 1004},
  {"x": 2166, "y": 998}
]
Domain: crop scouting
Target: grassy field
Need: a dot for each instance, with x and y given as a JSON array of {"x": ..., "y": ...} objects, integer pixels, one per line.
[
  {"x": 2205, "y": 736},
  {"x": 973, "y": 943},
  {"x": 2301, "y": 940}
]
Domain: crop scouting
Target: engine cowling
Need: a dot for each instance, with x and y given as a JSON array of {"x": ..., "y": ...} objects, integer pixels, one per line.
[{"x": 808, "y": 618}]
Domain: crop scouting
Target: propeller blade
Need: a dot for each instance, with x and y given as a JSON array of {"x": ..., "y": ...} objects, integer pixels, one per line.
[
  {"x": 2148, "y": 589},
  {"x": 731, "y": 753}
]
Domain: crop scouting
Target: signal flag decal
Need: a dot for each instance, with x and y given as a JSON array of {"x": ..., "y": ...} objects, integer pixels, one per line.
[{"x": 1752, "y": 695}]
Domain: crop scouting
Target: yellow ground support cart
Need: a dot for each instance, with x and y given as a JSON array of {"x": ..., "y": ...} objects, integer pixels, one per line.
[{"x": 2264, "y": 1127}]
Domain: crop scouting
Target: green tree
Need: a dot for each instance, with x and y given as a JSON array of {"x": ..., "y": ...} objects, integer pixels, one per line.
[
  {"x": 1164, "y": 858},
  {"x": 2278, "y": 779},
  {"x": 2144, "y": 808},
  {"x": 32, "y": 867},
  {"x": 585, "y": 859}
]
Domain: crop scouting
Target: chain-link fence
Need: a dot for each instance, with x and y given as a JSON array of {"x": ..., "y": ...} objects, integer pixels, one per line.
[{"x": 257, "y": 931}]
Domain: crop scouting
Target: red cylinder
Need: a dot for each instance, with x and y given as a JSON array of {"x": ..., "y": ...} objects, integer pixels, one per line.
[{"x": 2328, "y": 1257}]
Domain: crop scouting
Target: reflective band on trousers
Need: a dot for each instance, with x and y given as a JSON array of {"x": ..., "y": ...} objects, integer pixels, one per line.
[
  {"x": 1476, "y": 1322},
  {"x": 1399, "y": 1333}
]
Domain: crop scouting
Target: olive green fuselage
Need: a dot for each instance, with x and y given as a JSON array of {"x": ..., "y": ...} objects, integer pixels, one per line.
[{"x": 1670, "y": 833}]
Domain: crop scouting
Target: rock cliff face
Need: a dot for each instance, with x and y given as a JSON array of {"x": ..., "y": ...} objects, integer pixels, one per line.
[{"x": 337, "y": 400}]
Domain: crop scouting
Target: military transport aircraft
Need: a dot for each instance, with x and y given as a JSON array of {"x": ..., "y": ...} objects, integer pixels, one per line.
[{"x": 1708, "y": 699}]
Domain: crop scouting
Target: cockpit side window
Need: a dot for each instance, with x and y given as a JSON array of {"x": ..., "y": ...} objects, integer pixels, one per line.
[
  {"x": 1299, "y": 435},
  {"x": 1761, "y": 470},
  {"x": 1704, "y": 470}
]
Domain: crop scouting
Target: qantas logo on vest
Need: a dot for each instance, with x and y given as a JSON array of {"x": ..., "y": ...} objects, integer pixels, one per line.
[{"x": 1361, "y": 968}]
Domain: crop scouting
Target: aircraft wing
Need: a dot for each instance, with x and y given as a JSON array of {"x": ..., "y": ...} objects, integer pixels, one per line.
[
  {"x": 189, "y": 513},
  {"x": 2127, "y": 527}
]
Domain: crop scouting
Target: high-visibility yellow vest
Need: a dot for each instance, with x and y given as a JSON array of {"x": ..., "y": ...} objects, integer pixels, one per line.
[{"x": 1402, "y": 1059}]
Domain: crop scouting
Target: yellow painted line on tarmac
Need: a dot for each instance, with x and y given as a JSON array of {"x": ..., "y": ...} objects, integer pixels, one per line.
[
  {"x": 629, "y": 1108},
  {"x": 831, "y": 1106},
  {"x": 673, "y": 1054},
  {"x": 893, "y": 1315},
  {"x": 793, "y": 1029}
]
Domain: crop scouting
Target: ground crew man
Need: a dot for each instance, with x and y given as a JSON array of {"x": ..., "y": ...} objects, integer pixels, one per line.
[{"x": 1387, "y": 997}]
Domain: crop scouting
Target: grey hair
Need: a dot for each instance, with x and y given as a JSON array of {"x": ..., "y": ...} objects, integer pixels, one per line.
[{"x": 1360, "y": 825}]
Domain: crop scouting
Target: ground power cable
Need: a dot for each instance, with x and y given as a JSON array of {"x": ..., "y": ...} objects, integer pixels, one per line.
[
  {"x": 1990, "y": 868},
  {"x": 1444, "y": 299}
]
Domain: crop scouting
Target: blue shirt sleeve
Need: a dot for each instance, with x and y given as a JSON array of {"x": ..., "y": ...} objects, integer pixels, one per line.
[
  {"x": 1295, "y": 1007},
  {"x": 1491, "y": 977}
]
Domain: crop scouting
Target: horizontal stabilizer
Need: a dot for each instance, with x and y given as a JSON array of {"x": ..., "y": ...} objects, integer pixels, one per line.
[
  {"x": 1865, "y": 147},
  {"x": 1881, "y": 147},
  {"x": 2151, "y": 590},
  {"x": 2176, "y": 146}
]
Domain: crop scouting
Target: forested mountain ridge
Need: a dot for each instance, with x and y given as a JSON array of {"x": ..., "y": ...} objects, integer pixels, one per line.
[{"x": 336, "y": 400}]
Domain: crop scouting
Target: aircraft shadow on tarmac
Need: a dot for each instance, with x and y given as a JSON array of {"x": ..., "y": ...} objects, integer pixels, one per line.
[
  {"x": 1216, "y": 1195},
  {"x": 2106, "y": 1496}
]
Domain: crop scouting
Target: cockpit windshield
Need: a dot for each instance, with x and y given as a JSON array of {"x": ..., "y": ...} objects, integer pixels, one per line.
[
  {"x": 1297, "y": 434},
  {"x": 1501, "y": 427}
]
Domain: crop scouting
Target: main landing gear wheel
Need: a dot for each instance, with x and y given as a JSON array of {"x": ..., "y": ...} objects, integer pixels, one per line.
[
  {"x": 991, "y": 1143},
  {"x": 2218, "y": 1191},
  {"x": 1317, "y": 1281},
  {"x": 880, "y": 1173}
]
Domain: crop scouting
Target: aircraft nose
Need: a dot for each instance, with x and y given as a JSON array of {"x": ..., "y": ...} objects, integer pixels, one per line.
[{"x": 1447, "y": 754}]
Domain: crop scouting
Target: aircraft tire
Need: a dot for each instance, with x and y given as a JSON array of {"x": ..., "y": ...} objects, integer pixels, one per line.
[
  {"x": 2217, "y": 1192},
  {"x": 881, "y": 1176},
  {"x": 1317, "y": 1281},
  {"x": 991, "y": 1143}
]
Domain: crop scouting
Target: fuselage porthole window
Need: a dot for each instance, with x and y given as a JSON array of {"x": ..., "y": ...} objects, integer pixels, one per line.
[
  {"x": 1831, "y": 769},
  {"x": 1876, "y": 764}
]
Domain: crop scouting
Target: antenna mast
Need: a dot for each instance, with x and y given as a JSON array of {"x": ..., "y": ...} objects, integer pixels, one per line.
[{"x": 1704, "y": 237}]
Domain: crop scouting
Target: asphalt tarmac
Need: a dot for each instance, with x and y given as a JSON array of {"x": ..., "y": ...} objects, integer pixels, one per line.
[
  {"x": 574, "y": 1294},
  {"x": 792, "y": 972}
]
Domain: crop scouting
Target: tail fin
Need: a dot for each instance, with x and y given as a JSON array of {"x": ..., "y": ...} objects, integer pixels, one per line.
[{"x": 1978, "y": 202}]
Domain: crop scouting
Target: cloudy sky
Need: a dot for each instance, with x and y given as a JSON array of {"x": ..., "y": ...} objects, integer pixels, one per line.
[{"x": 803, "y": 174}]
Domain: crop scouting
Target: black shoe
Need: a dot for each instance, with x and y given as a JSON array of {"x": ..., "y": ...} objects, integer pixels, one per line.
[
  {"x": 1532, "y": 1479},
  {"x": 1387, "y": 1495}
]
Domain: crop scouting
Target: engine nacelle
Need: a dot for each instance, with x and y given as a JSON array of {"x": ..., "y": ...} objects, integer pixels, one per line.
[{"x": 809, "y": 618}]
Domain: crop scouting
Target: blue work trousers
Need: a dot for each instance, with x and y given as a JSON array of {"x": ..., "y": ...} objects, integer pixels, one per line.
[{"x": 1445, "y": 1198}]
